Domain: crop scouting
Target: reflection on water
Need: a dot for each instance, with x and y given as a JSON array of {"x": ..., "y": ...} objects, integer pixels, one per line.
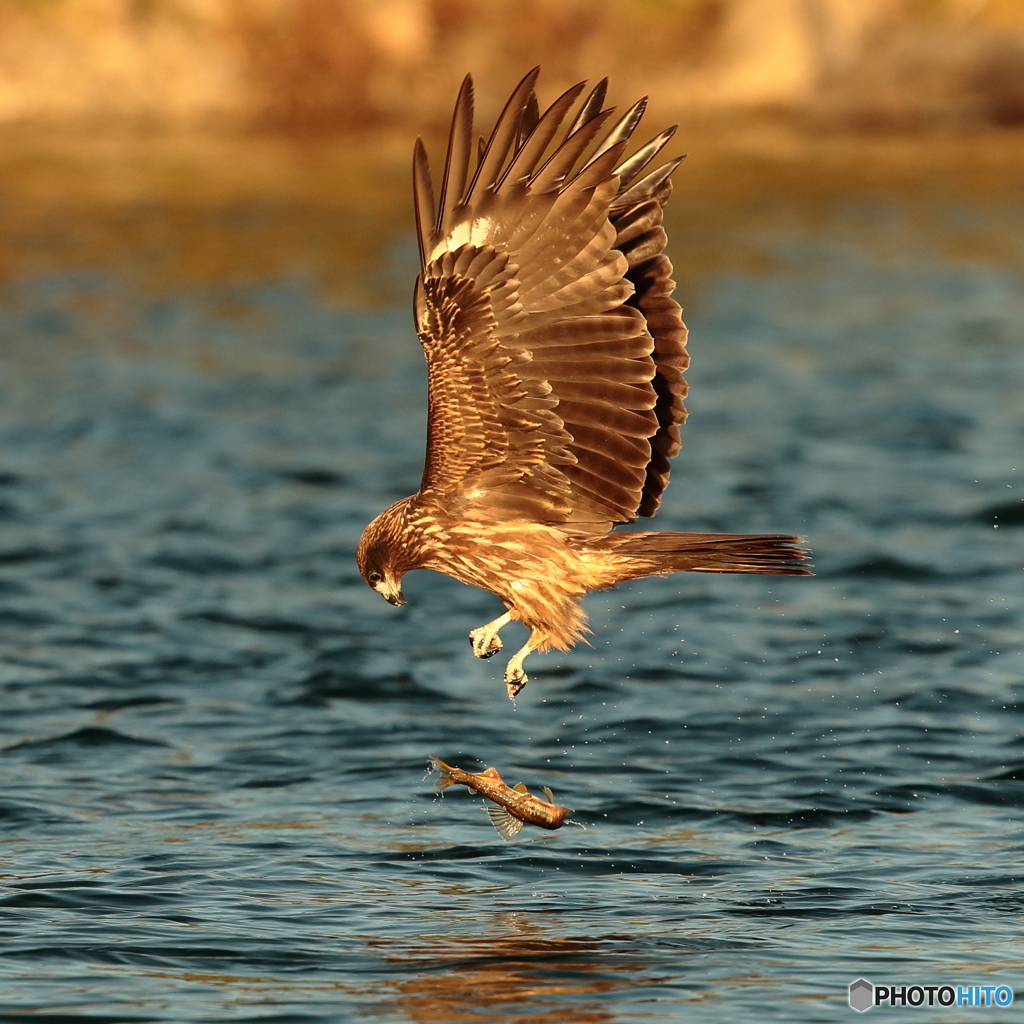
[
  {"x": 167, "y": 213},
  {"x": 213, "y": 736},
  {"x": 528, "y": 975},
  {"x": 236, "y": 254}
]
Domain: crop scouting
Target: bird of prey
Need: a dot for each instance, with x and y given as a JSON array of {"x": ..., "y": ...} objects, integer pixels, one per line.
[{"x": 555, "y": 355}]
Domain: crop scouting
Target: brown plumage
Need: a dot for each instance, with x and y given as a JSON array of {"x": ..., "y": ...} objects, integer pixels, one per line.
[{"x": 555, "y": 355}]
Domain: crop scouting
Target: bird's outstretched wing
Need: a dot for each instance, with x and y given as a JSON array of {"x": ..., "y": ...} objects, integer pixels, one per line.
[{"x": 554, "y": 349}]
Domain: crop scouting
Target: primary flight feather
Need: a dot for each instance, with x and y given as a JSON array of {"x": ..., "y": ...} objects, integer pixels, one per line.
[{"x": 555, "y": 357}]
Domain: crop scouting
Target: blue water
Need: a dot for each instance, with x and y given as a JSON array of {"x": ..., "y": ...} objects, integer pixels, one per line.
[{"x": 213, "y": 735}]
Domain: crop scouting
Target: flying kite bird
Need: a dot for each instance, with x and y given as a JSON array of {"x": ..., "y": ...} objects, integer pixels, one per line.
[{"x": 554, "y": 356}]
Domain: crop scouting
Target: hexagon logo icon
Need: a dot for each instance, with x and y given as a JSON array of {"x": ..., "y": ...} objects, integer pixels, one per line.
[{"x": 862, "y": 995}]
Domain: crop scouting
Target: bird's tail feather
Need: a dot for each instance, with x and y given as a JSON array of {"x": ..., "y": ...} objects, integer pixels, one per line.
[{"x": 662, "y": 552}]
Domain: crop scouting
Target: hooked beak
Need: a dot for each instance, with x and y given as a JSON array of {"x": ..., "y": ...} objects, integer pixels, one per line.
[{"x": 392, "y": 594}]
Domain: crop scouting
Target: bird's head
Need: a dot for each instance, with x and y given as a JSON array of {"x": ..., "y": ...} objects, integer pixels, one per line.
[{"x": 380, "y": 555}]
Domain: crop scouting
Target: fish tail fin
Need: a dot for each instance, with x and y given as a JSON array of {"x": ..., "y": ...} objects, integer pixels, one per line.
[{"x": 445, "y": 771}]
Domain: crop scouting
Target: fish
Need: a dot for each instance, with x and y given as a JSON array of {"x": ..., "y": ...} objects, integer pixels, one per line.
[{"x": 516, "y": 805}]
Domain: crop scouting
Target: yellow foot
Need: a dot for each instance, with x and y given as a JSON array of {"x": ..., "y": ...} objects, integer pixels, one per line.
[
  {"x": 515, "y": 680},
  {"x": 485, "y": 640}
]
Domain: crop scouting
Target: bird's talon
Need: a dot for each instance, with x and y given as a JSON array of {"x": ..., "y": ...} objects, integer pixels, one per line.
[
  {"x": 514, "y": 683},
  {"x": 486, "y": 643}
]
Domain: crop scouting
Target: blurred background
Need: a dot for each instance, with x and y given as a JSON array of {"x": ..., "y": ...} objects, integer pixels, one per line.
[
  {"x": 213, "y": 734},
  {"x": 335, "y": 65},
  {"x": 177, "y": 144}
]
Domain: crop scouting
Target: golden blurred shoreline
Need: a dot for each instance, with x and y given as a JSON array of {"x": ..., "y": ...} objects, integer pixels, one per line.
[{"x": 328, "y": 66}]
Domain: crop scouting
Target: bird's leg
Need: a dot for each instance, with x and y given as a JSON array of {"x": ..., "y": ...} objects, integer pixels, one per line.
[
  {"x": 515, "y": 677},
  {"x": 485, "y": 639}
]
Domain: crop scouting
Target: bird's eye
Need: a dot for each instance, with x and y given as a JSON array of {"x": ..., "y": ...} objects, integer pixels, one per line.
[{"x": 375, "y": 577}]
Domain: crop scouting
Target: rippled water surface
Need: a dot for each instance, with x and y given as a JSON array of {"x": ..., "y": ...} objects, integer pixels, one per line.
[{"x": 213, "y": 736}]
